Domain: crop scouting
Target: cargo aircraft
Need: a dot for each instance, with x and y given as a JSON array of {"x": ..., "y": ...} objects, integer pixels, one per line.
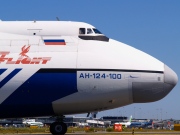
[{"x": 55, "y": 68}]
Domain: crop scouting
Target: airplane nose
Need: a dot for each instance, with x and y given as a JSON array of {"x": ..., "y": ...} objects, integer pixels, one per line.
[
  {"x": 170, "y": 77},
  {"x": 153, "y": 91}
]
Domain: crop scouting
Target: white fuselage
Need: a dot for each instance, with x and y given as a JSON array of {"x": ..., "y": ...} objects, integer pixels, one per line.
[{"x": 80, "y": 74}]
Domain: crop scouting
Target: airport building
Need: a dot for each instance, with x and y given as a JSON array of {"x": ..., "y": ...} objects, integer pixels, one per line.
[
  {"x": 69, "y": 120},
  {"x": 104, "y": 121},
  {"x": 114, "y": 119}
]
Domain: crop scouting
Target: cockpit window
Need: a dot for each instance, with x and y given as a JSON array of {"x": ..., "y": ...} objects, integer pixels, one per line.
[
  {"x": 96, "y": 31},
  {"x": 89, "y": 31},
  {"x": 82, "y": 31},
  {"x": 92, "y": 34}
]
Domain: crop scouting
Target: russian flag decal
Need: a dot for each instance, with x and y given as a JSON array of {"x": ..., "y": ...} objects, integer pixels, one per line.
[{"x": 54, "y": 42}]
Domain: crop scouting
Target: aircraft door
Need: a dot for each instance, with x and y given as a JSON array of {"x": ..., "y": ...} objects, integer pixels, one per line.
[{"x": 132, "y": 77}]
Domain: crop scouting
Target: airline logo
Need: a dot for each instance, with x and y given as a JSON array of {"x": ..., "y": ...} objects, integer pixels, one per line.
[
  {"x": 24, "y": 51},
  {"x": 54, "y": 42},
  {"x": 23, "y": 58}
]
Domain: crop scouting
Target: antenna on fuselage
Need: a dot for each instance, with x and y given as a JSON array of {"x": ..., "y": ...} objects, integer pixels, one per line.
[{"x": 57, "y": 18}]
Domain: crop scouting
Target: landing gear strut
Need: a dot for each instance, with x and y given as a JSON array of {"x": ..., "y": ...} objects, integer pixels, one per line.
[{"x": 58, "y": 127}]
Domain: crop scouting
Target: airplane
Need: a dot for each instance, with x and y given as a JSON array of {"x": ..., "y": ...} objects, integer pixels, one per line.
[
  {"x": 141, "y": 124},
  {"x": 126, "y": 124},
  {"x": 39, "y": 124},
  {"x": 32, "y": 122},
  {"x": 56, "y": 68},
  {"x": 25, "y": 121}
]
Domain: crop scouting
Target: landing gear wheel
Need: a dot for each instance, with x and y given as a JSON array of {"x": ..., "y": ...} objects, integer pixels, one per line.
[{"x": 58, "y": 128}]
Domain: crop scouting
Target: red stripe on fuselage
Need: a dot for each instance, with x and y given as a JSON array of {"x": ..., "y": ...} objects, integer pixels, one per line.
[{"x": 55, "y": 43}]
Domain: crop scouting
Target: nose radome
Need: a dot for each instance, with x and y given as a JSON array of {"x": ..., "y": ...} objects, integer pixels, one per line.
[
  {"x": 170, "y": 77},
  {"x": 152, "y": 91}
]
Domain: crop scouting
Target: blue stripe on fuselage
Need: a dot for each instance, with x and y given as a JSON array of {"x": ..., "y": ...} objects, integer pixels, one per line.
[
  {"x": 11, "y": 75},
  {"x": 55, "y": 40},
  {"x": 2, "y": 70},
  {"x": 35, "y": 96}
]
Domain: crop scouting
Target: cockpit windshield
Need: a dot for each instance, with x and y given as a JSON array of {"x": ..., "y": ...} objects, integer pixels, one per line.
[
  {"x": 92, "y": 34},
  {"x": 89, "y": 31},
  {"x": 96, "y": 31}
]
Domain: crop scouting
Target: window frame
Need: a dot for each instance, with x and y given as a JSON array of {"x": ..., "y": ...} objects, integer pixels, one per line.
[
  {"x": 82, "y": 31},
  {"x": 92, "y": 32}
]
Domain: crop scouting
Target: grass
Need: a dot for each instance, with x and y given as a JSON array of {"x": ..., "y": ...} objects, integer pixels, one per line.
[
  {"x": 23, "y": 130},
  {"x": 76, "y": 130}
]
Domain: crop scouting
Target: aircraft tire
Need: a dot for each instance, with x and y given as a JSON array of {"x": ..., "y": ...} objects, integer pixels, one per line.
[{"x": 58, "y": 128}]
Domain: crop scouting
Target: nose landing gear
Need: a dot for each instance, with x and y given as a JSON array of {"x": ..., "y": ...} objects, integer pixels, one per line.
[{"x": 58, "y": 127}]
